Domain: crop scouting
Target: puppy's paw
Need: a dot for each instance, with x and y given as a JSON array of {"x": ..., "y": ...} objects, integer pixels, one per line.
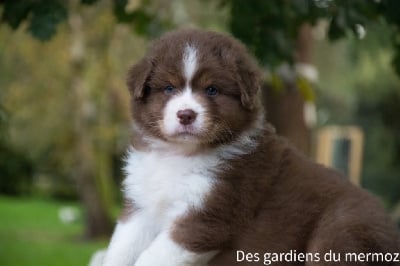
[{"x": 149, "y": 259}]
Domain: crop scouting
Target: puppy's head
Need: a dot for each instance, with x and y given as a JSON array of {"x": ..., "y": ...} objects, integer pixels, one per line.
[{"x": 195, "y": 87}]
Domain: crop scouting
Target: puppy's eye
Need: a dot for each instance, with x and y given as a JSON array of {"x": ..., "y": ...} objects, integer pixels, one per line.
[
  {"x": 211, "y": 91},
  {"x": 146, "y": 91},
  {"x": 169, "y": 90}
]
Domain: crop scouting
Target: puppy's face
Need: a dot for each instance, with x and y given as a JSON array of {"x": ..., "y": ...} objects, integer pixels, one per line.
[{"x": 195, "y": 87}]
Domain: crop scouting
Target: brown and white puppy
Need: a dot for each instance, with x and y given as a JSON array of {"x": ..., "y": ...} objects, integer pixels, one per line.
[{"x": 208, "y": 180}]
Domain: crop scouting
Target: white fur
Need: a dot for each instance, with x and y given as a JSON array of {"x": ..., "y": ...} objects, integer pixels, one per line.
[
  {"x": 189, "y": 62},
  {"x": 171, "y": 126},
  {"x": 161, "y": 181},
  {"x": 163, "y": 185},
  {"x": 130, "y": 239},
  {"x": 97, "y": 258}
]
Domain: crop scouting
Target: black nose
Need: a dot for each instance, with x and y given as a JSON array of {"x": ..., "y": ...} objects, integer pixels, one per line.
[{"x": 186, "y": 117}]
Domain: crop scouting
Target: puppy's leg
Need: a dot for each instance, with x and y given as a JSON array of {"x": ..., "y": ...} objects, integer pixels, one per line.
[
  {"x": 130, "y": 238},
  {"x": 164, "y": 251},
  {"x": 348, "y": 236}
]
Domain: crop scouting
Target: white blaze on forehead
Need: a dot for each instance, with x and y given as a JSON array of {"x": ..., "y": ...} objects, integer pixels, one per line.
[
  {"x": 189, "y": 62},
  {"x": 184, "y": 100}
]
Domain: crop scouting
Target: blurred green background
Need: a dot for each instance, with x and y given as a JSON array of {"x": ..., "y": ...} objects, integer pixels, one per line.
[{"x": 64, "y": 107}]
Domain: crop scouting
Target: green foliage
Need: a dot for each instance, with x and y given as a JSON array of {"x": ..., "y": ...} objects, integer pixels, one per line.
[
  {"x": 359, "y": 87},
  {"x": 144, "y": 19},
  {"x": 39, "y": 97},
  {"x": 379, "y": 119},
  {"x": 14, "y": 12},
  {"x": 120, "y": 13},
  {"x": 270, "y": 28},
  {"x": 306, "y": 89},
  {"x": 389, "y": 110},
  {"x": 3, "y": 121},
  {"x": 396, "y": 60},
  {"x": 43, "y": 16},
  {"x": 88, "y": 2},
  {"x": 16, "y": 172},
  {"x": 15, "y": 167}
]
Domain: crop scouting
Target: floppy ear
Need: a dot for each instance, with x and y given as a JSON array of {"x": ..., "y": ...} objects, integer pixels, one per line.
[
  {"x": 137, "y": 77},
  {"x": 249, "y": 82}
]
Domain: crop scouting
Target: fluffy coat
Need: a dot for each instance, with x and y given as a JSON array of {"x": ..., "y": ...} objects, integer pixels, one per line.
[{"x": 202, "y": 187}]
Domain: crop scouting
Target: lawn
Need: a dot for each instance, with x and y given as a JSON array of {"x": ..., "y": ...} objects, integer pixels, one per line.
[{"x": 31, "y": 233}]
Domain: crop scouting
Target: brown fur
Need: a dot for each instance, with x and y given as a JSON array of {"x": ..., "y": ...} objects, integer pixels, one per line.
[
  {"x": 223, "y": 62},
  {"x": 272, "y": 200},
  {"x": 276, "y": 200}
]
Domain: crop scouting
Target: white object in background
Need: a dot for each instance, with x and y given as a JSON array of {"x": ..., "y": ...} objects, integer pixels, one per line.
[{"x": 68, "y": 214}]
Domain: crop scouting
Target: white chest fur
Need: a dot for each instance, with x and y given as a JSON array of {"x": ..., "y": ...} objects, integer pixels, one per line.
[
  {"x": 165, "y": 184},
  {"x": 162, "y": 186}
]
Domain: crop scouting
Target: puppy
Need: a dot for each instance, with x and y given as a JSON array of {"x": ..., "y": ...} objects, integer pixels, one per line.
[{"x": 208, "y": 180}]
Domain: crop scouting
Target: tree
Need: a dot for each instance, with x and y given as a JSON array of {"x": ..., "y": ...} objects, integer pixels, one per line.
[
  {"x": 83, "y": 91},
  {"x": 275, "y": 25},
  {"x": 270, "y": 28},
  {"x": 81, "y": 94},
  {"x": 97, "y": 215},
  {"x": 44, "y": 16},
  {"x": 277, "y": 36}
]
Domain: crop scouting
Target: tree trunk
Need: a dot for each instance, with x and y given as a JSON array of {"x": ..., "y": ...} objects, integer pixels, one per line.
[
  {"x": 286, "y": 106},
  {"x": 97, "y": 218},
  {"x": 285, "y": 112}
]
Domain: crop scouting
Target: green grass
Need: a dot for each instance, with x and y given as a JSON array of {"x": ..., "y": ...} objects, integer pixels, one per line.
[{"x": 32, "y": 234}]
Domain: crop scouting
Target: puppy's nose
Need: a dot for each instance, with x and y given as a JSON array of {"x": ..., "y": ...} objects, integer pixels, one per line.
[{"x": 186, "y": 117}]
